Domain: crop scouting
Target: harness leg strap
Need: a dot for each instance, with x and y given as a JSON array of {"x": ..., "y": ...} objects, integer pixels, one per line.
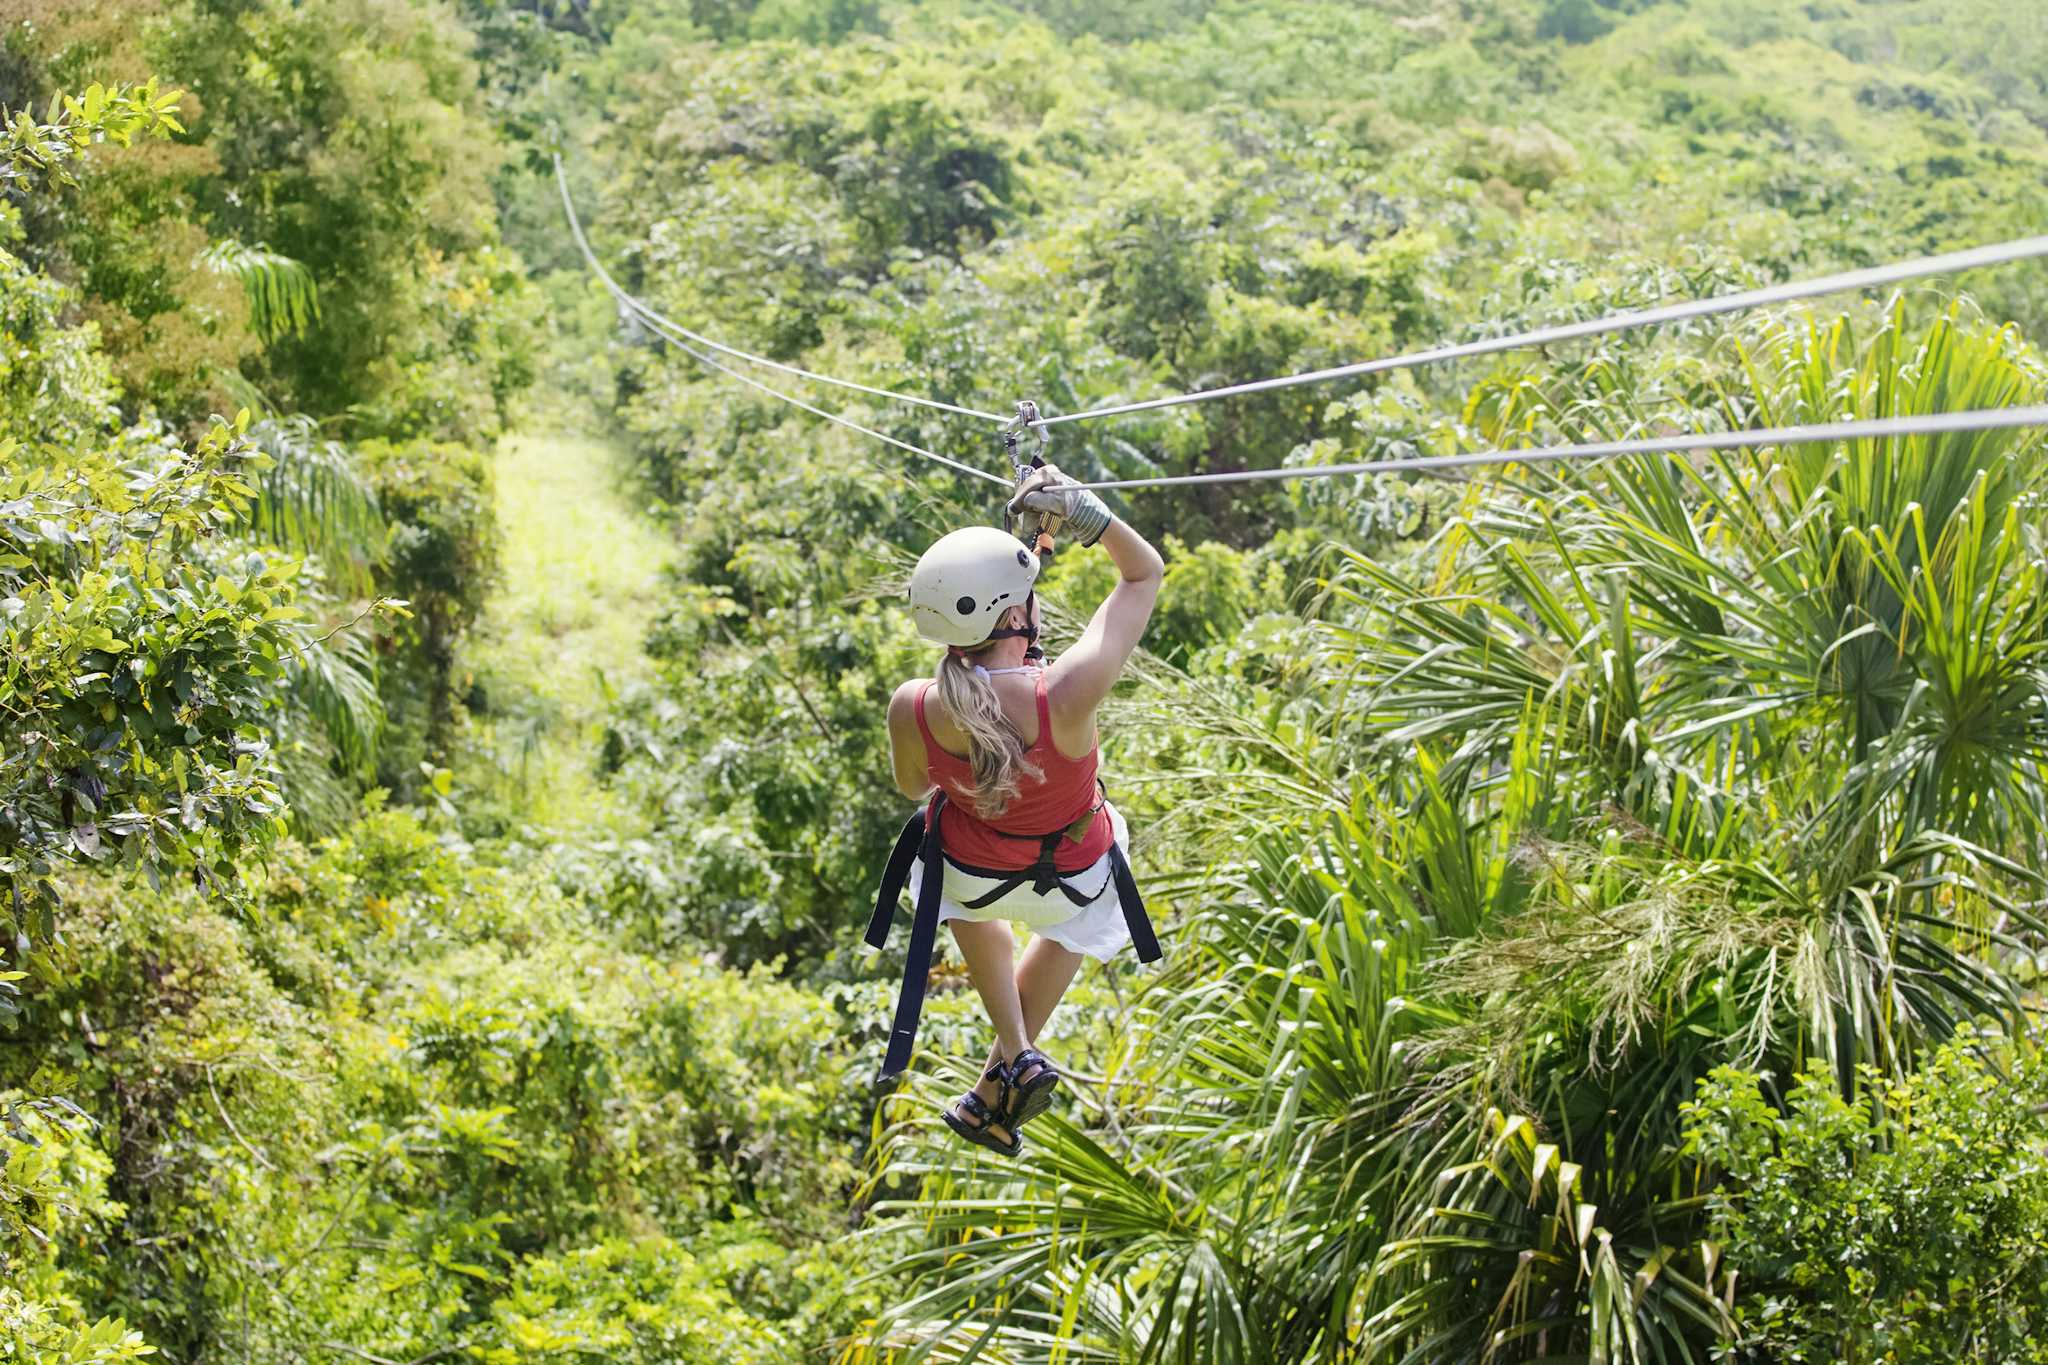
[
  {"x": 894, "y": 877},
  {"x": 917, "y": 963},
  {"x": 986, "y": 899}
]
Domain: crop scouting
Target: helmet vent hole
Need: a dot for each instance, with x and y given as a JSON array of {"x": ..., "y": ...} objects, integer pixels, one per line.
[
  {"x": 1023, "y": 560},
  {"x": 965, "y": 606}
]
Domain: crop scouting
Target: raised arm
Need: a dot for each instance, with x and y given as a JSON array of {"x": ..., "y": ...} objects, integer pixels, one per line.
[{"x": 1084, "y": 674}]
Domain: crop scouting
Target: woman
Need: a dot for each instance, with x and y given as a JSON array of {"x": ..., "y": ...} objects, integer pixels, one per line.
[{"x": 1005, "y": 746}]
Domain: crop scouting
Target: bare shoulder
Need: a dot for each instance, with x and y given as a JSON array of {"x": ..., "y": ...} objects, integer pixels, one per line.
[
  {"x": 907, "y": 754},
  {"x": 1074, "y": 729},
  {"x": 1063, "y": 694},
  {"x": 903, "y": 704}
]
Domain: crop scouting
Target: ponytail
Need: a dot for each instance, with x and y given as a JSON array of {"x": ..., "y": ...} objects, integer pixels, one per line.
[{"x": 994, "y": 748}]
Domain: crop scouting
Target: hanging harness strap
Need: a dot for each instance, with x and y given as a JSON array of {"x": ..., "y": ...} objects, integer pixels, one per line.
[
  {"x": 920, "y": 843},
  {"x": 895, "y": 876},
  {"x": 1135, "y": 918}
]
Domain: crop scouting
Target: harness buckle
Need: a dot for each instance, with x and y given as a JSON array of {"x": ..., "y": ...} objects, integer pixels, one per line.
[{"x": 1045, "y": 874}]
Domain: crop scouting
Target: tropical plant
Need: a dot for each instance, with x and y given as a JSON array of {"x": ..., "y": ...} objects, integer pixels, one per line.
[
  {"x": 38, "y": 152},
  {"x": 324, "y": 226},
  {"x": 139, "y": 668},
  {"x": 1664, "y": 763},
  {"x": 314, "y": 499},
  {"x": 283, "y": 296},
  {"x": 1903, "y": 1223},
  {"x": 54, "y": 1189},
  {"x": 441, "y": 558},
  {"x": 56, "y": 387}
]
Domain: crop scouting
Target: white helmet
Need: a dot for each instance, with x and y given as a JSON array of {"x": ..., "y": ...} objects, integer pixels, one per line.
[{"x": 968, "y": 579}]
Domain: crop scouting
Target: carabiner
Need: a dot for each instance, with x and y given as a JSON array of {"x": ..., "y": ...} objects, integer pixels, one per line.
[
  {"x": 1026, "y": 420},
  {"x": 1031, "y": 525}
]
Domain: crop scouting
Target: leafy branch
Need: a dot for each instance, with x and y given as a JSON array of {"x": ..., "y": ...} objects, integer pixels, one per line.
[{"x": 34, "y": 152}]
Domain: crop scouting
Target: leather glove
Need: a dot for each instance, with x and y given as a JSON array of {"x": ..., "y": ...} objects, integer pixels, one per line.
[
  {"x": 1032, "y": 524},
  {"x": 1052, "y": 494}
]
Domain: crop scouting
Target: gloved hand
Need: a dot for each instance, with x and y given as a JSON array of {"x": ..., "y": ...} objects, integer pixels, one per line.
[
  {"x": 1052, "y": 494},
  {"x": 1032, "y": 524}
]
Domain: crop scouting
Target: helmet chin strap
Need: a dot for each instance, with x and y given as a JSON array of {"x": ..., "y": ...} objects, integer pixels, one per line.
[{"x": 1027, "y": 632}]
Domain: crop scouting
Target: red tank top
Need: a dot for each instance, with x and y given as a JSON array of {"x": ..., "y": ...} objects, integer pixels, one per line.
[{"x": 1066, "y": 792}]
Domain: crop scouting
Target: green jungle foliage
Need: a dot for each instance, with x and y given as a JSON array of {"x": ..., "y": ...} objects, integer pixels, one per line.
[
  {"x": 1603, "y": 902},
  {"x": 1905, "y": 1224}
]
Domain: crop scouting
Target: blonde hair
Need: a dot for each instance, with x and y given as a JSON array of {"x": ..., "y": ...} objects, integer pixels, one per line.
[{"x": 995, "y": 750}]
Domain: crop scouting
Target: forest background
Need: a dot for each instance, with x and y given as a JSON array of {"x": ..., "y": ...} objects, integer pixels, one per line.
[{"x": 440, "y": 738}]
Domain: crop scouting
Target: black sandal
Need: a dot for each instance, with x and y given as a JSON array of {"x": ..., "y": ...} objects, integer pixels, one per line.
[
  {"x": 978, "y": 1133},
  {"x": 1027, "y": 1099}
]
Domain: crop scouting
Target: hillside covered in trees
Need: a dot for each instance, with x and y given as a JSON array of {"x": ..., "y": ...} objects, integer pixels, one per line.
[{"x": 442, "y": 759}]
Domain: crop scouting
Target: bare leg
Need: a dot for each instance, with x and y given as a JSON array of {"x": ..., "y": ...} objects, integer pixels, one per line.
[
  {"x": 990, "y": 948},
  {"x": 1043, "y": 975}
]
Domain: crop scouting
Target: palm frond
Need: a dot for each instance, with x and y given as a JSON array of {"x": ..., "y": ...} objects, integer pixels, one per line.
[
  {"x": 1646, "y": 767},
  {"x": 314, "y": 500},
  {"x": 283, "y": 296},
  {"x": 334, "y": 680}
]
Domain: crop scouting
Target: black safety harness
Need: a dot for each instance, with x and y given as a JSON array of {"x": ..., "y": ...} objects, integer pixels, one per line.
[{"x": 920, "y": 843}]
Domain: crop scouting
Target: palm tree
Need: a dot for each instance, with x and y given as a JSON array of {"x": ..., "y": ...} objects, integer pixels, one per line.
[{"x": 1658, "y": 764}]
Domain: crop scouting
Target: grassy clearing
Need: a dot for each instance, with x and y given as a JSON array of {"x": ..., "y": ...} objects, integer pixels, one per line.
[{"x": 561, "y": 635}]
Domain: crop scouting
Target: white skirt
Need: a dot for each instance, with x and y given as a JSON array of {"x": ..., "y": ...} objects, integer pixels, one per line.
[{"x": 1096, "y": 929}]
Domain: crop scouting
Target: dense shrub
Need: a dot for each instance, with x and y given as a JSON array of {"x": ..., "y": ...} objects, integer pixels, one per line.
[
  {"x": 645, "y": 1303},
  {"x": 487, "y": 1092},
  {"x": 1904, "y": 1224},
  {"x": 55, "y": 384}
]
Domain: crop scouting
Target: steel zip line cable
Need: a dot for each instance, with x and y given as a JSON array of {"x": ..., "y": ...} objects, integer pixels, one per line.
[
  {"x": 661, "y": 326},
  {"x": 2002, "y": 253},
  {"x": 700, "y": 339},
  {"x": 1934, "y": 424},
  {"x": 793, "y": 401}
]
